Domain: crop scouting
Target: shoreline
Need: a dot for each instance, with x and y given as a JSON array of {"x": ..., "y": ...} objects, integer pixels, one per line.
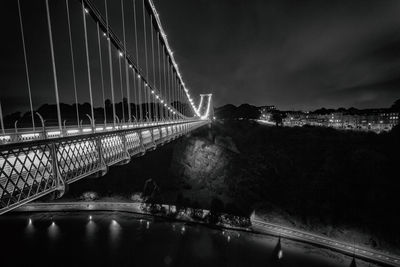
[{"x": 258, "y": 226}]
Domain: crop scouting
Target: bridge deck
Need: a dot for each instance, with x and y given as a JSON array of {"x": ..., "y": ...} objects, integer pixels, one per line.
[{"x": 33, "y": 168}]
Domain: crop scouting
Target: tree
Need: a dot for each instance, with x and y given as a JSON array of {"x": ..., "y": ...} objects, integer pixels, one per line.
[
  {"x": 396, "y": 105},
  {"x": 277, "y": 118},
  {"x": 108, "y": 103}
]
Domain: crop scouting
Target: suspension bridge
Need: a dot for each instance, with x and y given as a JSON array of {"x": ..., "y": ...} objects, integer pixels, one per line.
[{"x": 137, "y": 98}]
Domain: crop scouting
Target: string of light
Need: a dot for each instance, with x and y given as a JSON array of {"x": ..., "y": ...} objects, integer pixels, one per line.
[
  {"x": 164, "y": 36},
  {"x": 153, "y": 91}
]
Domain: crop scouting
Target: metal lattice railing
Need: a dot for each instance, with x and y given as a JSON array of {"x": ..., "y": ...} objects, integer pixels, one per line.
[
  {"x": 78, "y": 157},
  {"x": 25, "y": 171},
  {"x": 29, "y": 170}
]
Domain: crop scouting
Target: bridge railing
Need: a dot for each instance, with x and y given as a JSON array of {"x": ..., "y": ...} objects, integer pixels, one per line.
[
  {"x": 28, "y": 134},
  {"x": 31, "y": 169}
]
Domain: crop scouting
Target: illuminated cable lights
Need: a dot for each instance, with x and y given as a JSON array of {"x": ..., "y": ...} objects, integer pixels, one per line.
[
  {"x": 164, "y": 36},
  {"x": 169, "y": 51}
]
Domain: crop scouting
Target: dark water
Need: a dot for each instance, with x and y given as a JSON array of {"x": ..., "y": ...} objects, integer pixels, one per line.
[{"x": 117, "y": 239}]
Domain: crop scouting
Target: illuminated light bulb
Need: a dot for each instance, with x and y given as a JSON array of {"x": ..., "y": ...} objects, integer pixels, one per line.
[
  {"x": 30, "y": 221},
  {"x": 145, "y": 84},
  {"x": 104, "y": 34},
  {"x": 157, "y": 97},
  {"x": 90, "y": 217},
  {"x": 165, "y": 105},
  {"x": 280, "y": 254},
  {"x": 121, "y": 54},
  {"x": 152, "y": 91},
  {"x": 86, "y": 11},
  {"x": 162, "y": 101},
  {"x": 130, "y": 66},
  {"x": 138, "y": 76}
]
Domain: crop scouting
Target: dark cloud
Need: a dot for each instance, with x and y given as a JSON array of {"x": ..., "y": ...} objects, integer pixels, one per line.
[
  {"x": 288, "y": 53},
  {"x": 294, "y": 54}
]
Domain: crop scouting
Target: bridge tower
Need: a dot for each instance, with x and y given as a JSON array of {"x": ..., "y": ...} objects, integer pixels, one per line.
[{"x": 209, "y": 109}]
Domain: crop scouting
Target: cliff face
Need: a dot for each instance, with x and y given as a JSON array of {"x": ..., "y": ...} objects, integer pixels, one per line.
[
  {"x": 202, "y": 166},
  {"x": 320, "y": 177}
]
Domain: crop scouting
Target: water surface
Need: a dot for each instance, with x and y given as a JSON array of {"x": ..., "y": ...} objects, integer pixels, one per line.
[{"x": 120, "y": 239}]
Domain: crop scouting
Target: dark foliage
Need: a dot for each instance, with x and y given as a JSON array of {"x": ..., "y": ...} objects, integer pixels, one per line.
[
  {"x": 244, "y": 111},
  {"x": 319, "y": 174}
]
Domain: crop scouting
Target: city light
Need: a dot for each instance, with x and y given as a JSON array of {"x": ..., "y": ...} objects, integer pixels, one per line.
[
  {"x": 54, "y": 133},
  {"x": 29, "y": 136},
  {"x": 74, "y": 131}
]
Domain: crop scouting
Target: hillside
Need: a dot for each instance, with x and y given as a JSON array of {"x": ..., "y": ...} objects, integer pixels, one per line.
[{"x": 342, "y": 184}]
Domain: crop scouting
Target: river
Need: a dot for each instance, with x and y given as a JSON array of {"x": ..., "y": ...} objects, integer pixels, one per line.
[{"x": 122, "y": 239}]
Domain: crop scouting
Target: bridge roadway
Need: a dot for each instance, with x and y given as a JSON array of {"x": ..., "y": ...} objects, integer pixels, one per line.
[
  {"x": 33, "y": 168},
  {"x": 325, "y": 242}
]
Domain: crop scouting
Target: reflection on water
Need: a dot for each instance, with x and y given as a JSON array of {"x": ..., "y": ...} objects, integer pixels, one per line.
[
  {"x": 104, "y": 239},
  {"x": 115, "y": 232},
  {"x": 53, "y": 230},
  {"x": 90, "y": 230},
  {"x": 29, "y": 227}
]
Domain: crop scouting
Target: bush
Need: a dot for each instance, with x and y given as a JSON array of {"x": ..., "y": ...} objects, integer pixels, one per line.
[{"x": 89, "y": 196}]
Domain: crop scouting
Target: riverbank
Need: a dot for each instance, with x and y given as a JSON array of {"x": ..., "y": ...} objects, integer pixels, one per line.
[
  {"x": 197, "y": 216},
  {"x": 113, "y": 238}
]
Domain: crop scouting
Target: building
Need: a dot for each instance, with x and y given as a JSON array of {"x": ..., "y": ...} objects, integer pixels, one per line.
[
  {"x": 266, "y": 112},
  {"x": 377, "y": 120}
]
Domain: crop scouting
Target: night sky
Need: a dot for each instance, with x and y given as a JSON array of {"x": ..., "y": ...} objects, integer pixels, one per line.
[{"x": 292, "y": 54}]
